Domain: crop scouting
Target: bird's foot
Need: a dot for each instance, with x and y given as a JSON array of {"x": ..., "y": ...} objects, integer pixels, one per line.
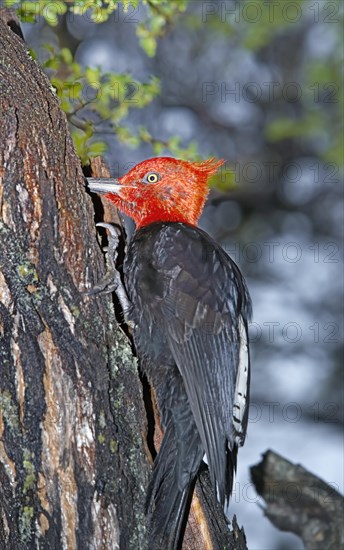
[{"x": 111, "y": 282}]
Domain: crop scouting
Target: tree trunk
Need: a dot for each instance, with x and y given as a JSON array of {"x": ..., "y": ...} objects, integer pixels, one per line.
[{"x": 72, "y": 461}]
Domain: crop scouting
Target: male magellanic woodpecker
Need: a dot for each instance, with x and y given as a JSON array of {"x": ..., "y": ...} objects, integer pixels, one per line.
[{"x": 189, "y": 306}]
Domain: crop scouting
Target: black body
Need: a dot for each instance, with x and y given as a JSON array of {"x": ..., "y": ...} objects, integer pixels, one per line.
[{"x": 188, "y": 299}]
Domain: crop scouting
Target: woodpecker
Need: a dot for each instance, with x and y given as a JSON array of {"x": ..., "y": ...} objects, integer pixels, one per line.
[{"x": 190, "y": 307}]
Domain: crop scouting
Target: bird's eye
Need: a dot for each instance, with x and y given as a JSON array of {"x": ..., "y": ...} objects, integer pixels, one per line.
[{"x": 151, "y": 177}]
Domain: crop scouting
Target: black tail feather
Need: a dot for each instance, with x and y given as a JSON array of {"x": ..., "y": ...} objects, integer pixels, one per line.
[
  {"x": 231, "y": 456},
  {"x": 169, "y": 496}
]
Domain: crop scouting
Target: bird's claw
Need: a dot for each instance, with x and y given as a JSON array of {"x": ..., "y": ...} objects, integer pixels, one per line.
[
  {"x": 113, "y": 230},
  {"x": 106, "y": 285},
  {"x": 111, "y": 249},
  {"x": 111, "y": 282}
]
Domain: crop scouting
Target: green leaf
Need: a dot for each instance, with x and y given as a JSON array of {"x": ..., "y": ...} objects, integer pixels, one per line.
[
  {"x": 283, "y": 128},
  {"x": 148, "y": 43},
  {"x": 97, "y": 148}
]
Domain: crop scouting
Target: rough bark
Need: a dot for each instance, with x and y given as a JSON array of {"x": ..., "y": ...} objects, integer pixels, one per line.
[
  {"x": 73, "y": 467},
  {"x": 221, "y": 535},
  {"x": 300, "y": 502}
]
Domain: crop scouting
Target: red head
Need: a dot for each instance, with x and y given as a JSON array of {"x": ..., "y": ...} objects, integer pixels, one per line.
[{"x": 161, "y": 189}]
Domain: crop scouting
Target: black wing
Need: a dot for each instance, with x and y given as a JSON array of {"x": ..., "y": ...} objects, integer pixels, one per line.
[{"x": 200, "y": 302}]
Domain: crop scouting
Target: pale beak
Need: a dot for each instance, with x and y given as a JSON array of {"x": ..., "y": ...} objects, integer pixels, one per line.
[{"x": 104, "y": 185}]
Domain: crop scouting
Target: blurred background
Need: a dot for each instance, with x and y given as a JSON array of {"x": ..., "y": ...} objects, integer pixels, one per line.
[{"x": 260, "y": 85}]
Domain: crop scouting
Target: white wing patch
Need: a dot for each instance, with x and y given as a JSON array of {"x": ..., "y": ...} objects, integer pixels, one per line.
[{"x": 240, "y": 393}]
